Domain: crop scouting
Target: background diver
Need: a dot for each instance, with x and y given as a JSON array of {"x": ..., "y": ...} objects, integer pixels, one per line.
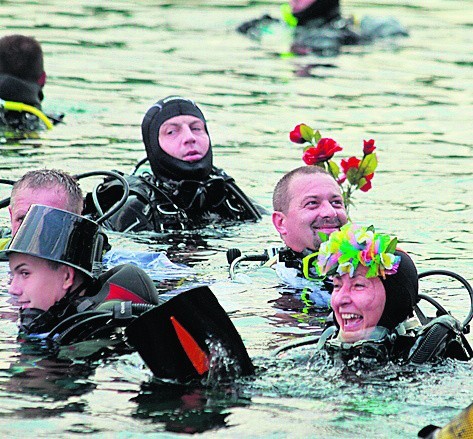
[
  {"x": 22, "y": 79},
  {"x": 319, "y": 27}
]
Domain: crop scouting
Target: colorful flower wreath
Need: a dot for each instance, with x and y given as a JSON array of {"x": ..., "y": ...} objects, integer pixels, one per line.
[
  {"x": 343, "y": 251},
  {"x": 357, "y": 173}
]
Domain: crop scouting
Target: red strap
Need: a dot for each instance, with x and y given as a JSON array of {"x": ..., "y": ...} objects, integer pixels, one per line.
[
  {"x": 197, "y": 356},
  {"x": 117, "y": 292}
]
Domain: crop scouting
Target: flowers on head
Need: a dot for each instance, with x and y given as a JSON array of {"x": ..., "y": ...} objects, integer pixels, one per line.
[
  {"x": 356, "y": 173},
  {"x": 343, "y": 251}
]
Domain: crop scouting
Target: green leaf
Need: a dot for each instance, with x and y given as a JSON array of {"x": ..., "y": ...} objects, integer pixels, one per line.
[
  {"x": 391, "y": 248},
  {"x": 368, "y": 164},
  {"x": 307, "y": 133},
  {"x": 352, "y": 176},
  {"x": 333, "y": 168},
  {"x": 317, "y": 136},
  {"x": 361, "y": 182}
]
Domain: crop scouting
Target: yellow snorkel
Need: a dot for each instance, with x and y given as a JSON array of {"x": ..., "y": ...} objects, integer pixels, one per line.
[{"x": 20, "y": 107}]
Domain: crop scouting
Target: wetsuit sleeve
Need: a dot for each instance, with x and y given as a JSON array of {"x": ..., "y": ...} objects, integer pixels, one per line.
[{"x": 128, "y": 283}]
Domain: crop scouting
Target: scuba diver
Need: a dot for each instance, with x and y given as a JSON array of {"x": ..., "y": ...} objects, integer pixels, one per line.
[
  {"x": 374, "y": 298},
  {"x": 53, "y": 258},
  {"x": 183, "y": 190},
  {"x": 63, "y": 303},
  {"x": 22, "y": 78},
  {"x": 319, "y": 27},
  {"x": 50, "y": 187},
  {"x": 306, "y": 201}
]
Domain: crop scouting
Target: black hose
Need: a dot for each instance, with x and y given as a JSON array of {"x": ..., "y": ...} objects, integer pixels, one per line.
[
  {"x": 142, "y": 161},
  {"x": 456, "y": 276},
  {"x": 119, "y": 204}
]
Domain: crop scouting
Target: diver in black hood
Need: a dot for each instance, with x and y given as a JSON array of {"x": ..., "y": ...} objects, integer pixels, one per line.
[
  {"x": 183, "y": 190},
  {"x": 319, "y": 27}
]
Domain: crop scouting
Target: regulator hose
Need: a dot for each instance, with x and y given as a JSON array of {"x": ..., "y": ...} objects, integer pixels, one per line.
[
  {"x": 456, "y": 276},
  {"x": 118, "y": 205}
]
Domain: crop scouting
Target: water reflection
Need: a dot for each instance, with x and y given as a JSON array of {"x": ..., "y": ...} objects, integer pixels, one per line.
[{"x": 186, "y": 409}]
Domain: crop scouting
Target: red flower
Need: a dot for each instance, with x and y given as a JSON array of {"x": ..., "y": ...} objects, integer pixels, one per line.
[
  {"x": 296, "y": 136},
  {"x": 367, "y": 186},
  {"x": 368, "y": 146},
  {"x": 352, "y": 162},
  {"x": 324, "y": 151}
]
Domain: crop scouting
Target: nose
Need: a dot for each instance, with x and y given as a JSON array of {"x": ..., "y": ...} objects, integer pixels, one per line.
[
  {"x": 341, "y": 296},
  {"x": 14, "y": 288},
  {"x": 188, "y": 134},
  {"x": 327, "y": 210}
]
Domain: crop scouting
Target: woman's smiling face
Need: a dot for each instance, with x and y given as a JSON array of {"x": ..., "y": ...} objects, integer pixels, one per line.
[{"x": 358, "y": 303}]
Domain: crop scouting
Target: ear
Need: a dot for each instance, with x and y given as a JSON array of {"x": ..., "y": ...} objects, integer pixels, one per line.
[
  {"x": 69, "y": 277},
  {"x": 279, "y": 221},
  {"x": 10, "y": 212}
]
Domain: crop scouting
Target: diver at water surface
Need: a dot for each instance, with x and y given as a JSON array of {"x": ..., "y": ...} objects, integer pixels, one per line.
[
  {"x": 53, "y": 279},
  {"x": 319, "y": 27},
  {"x": 375, "y": 294},
  {"x": 183, "y": 190},
  {"x": 22, "y": 78},
  {"x": 50, "y": 187}
]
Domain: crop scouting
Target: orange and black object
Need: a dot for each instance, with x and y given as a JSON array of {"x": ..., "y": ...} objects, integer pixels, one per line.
[{"x": 190, "y": 337}]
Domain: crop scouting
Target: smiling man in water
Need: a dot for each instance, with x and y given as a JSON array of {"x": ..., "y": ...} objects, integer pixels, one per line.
[{"x": 306, "y": 201}]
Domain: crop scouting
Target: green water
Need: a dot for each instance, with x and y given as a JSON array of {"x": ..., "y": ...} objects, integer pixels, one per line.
[{"x": 108, "y": 62}]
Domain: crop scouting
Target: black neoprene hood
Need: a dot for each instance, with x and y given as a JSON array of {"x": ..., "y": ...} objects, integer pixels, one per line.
[{"x": 162, "y": 164}]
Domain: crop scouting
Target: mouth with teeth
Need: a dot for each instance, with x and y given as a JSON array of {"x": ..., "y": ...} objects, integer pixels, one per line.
[{"x": 351, "y": 321}]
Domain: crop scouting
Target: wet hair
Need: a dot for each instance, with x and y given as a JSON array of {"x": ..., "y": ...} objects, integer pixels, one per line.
[
  {"x": 162, "y": 164},
  {"x": 51, "y": 179},
  {"x": 402, "y": 293},
  {"x": 22, "y": 57},
  {"x": 281, "y": 191}
]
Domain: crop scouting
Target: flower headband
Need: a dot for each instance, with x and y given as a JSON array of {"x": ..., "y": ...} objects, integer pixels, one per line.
[{"x": 345, "y": 250}]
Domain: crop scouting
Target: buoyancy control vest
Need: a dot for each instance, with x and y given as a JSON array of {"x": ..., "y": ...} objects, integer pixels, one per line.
[{"x": 162, "y": 204}]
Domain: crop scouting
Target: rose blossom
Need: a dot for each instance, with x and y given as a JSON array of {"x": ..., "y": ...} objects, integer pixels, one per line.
[
  {"x": 324, "y": 151},
  {"x": 368, "y": 146},
  {"x": 296, "y": 136}
]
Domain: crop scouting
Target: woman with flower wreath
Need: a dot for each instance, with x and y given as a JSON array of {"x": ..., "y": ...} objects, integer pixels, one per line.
[{"x": 375, "y": 295}]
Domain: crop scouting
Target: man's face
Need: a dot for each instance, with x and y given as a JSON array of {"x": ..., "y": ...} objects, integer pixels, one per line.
[
  {"x": 358, "y": 304},
  {"x": 315, "y": 205},
  {"x": 34, "y": 284},
  {"x": 184, "y": 138},
  {"x": 25, "y": 197},
  {"x": 300, "y": 5}
]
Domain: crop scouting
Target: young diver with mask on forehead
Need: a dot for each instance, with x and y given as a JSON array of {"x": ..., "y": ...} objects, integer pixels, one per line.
[
  {"x": 183, "y": 190},
  {"x": 54, "y": 283}
]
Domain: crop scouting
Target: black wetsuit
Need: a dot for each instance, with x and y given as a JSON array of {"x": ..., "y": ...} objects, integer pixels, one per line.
[
  {"x": 322, "y": 30},
  {"x": 163, "y": 204},
  {"x": 124, "y": 283},
  {"x": 439, "y": 339},
  {"x": 18, "y": 90}
]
